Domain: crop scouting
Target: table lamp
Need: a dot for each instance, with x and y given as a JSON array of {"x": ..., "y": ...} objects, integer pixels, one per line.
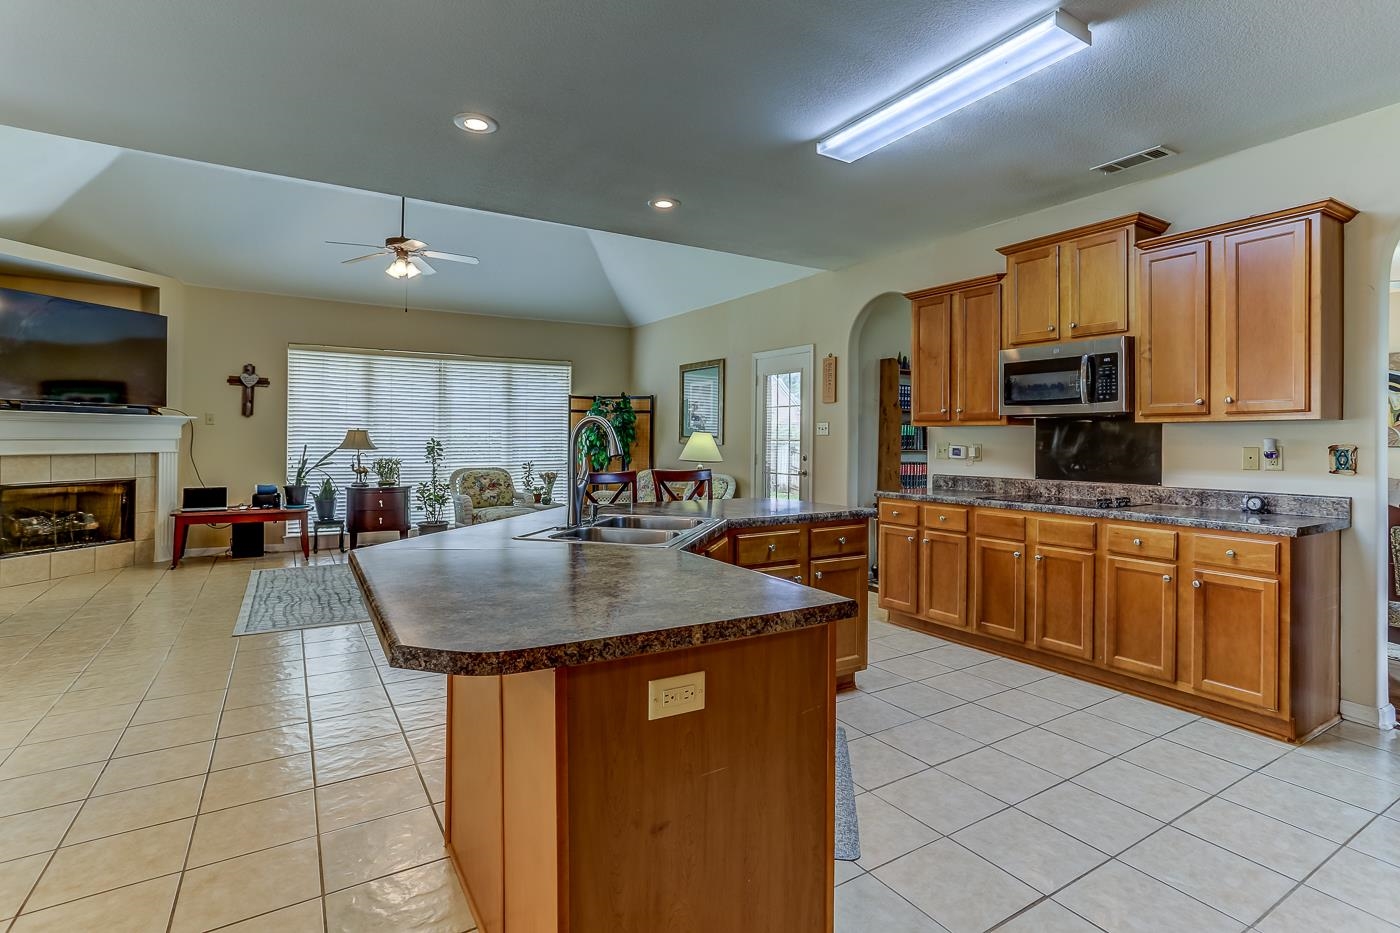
[
  {"x": 700, "y": 449},
  {"x": 357, "y": 439}
]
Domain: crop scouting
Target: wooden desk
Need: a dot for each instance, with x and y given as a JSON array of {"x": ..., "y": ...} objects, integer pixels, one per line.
[{"x": 183, "y": 521}]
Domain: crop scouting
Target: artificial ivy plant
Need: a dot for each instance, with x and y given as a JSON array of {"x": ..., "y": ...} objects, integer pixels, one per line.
[{"x": 620, "y": 414}]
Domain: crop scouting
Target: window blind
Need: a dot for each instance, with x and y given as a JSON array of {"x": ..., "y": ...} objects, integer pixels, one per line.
[{"x": 497, "y": 413}]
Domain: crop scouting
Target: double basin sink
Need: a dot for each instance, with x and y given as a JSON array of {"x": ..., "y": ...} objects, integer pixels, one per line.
[{"x": 636, "y": 530}]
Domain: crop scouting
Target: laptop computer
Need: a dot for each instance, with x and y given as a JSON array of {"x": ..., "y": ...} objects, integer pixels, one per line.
[{"x": 204, "y": 499}]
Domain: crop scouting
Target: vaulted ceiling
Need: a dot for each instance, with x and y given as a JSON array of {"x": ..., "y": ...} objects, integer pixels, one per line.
[{"x": 605, "y": 103}]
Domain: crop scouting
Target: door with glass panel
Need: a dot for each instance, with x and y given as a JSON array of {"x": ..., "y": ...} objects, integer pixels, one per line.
[{"x": 783, "y": 423}]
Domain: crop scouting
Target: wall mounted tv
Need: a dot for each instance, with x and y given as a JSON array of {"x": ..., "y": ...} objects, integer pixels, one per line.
[{"x": 57, "y": 352}]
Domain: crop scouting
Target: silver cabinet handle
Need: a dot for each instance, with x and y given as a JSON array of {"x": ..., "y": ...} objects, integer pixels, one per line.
[
  {"x": 819, "y": 576},
  {"x": 894, "y": 513},
  {"x": 1229, "y": 400},
  {"x": 1051, "y": 327},
  {"x": 1229, "y": 552},
  {"x": 1039, "y": 557},
  {"x": 1200, "y": 401},
  {"x": 944, "y": 408},
  {"x": 911, "y": 539},
  {"x": 927, "y": 541},
  {"x": 1166, "y": 578},
  {"x": 797, "y": 579},
  {"x": 1016, "y": 554},
  {"x": 841, "y": 540},
  {"x": 959, "y": 410},
  {"x": 381, "y": 519},
  {"x": 381, "y": 503},
  {"x": 1073, "y": 325},
  {"x": 1196, "y": 584},
  {"x": 772, "y": 547},
  {"x": 1137, "y": 542},
  {"x": 942, "y": 518}
]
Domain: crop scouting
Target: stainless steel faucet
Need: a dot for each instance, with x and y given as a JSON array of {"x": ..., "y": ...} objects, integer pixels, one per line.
[{"x": 579, "y": 481}]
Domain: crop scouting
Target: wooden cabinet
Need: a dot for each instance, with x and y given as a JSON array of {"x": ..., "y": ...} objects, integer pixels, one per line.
[
  {"x": 1241, "y": 627},
  {"x": 375, "y": 508},
  {"x": 1075, "y": 283},
  {"x": 1243, "y": 320},
  {"x": 1139, "y": 611},
  {"x": 720, "y": 550},
  {"x": 954, "y": 356},
  {"x": 848, "y": 577}
]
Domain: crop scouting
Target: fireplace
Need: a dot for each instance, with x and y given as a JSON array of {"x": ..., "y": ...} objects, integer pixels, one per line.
[{"x": 38, "y": 517}]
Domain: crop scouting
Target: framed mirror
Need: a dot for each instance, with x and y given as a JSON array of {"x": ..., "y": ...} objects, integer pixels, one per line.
[{"x": 702, "y": 399}]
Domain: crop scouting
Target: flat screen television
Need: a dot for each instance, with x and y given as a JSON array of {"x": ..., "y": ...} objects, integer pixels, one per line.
[{"x": 59, "y": 351}]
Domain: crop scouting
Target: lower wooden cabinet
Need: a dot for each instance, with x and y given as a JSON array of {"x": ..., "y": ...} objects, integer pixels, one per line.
[
  {"x": 1140, "y": 603},
  {"x": 1241, "y": 627},
  {"x": 848, "y": 577}
]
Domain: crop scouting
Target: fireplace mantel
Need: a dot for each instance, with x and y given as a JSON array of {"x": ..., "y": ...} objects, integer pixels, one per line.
[{"x": 46, "y": 433}]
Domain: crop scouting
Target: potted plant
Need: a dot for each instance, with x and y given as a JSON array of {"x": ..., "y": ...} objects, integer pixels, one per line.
[
  {"x": 325, "y": 500},
  {"x": 296, "y": 491},
  {"x": 623, "y": 417},
  {"x": 387, "y": 468},
  {"x": 527, "y": 479},
  {"x": 432, "y": 495}
]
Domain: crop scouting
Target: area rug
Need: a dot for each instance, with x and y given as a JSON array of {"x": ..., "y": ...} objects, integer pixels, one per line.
[
  {"x": 847, "y": 830},
  {"x": 300, "y": 597}
]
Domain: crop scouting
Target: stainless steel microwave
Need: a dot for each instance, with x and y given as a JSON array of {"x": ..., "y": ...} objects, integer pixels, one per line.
[{"x": 1081, "y": 377}]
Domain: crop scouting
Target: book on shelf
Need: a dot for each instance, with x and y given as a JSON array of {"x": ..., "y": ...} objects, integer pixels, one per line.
[
  {"x": 913, "y": 477},
  {"x": 912, "y": 437}
]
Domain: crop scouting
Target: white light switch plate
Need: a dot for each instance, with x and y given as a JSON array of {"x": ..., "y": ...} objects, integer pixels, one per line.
[
  {"x": 1249, "y": 460},
  {"x": 823, "y": 429}
]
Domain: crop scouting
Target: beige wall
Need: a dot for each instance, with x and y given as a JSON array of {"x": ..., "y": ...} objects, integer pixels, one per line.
[
  {"x": 1352, "y": 160},
  {"x": 227, "y": 329}
]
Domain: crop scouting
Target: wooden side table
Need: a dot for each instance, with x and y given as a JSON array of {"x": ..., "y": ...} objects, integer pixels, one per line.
[{"x": 376, "y": 508}]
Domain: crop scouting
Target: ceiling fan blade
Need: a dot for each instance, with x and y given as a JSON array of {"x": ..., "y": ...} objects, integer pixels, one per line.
[
  {"x": 346, "y": 262},
  {"x": 414, "y": 246},
  {"x": 421, "y": 266},
  {"x": 379, "y": 246},
  {"x": 451, "y": 257}
]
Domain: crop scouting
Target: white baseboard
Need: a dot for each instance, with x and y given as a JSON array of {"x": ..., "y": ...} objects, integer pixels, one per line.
[{"x": 1377, "y": 717}]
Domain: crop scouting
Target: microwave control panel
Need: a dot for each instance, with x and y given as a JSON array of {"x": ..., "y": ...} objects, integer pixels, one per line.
[{"x": 1105, "y": 377}]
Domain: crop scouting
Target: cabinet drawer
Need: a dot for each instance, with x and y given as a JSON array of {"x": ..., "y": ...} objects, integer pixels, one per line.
[
  {"x": 373, "y": 500},
  {"x": 379, "y": 518},
  {"x": 769, "y": 547},
  {"x": 1006, "y": 525},
  {"x": 899, "y": 512},
  {"x": 839, "y": 540},
  {"x": 791, "y": 572},
  {"x": 945, "y": 517},
  {"x": 1141, "y": 542},
  {"x": 1237, "y": 553},
  {"x": 1064, "y": 532}
]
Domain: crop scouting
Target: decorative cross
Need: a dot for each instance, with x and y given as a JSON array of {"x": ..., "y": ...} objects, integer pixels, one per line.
[{"x": 248, "y": 380}]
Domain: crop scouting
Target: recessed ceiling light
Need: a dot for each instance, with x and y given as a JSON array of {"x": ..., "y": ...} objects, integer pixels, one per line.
[
  {"x": 475, "y": 123},
  {"x": 1022, "y": 53},
  {"x": 664, "y": 204}
]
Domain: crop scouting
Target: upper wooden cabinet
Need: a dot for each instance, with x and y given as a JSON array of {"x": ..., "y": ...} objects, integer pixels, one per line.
[
  {"x": 1242, "y": 321},
  {"x": 1072, "y": 284},
  {"x": 953, "y": 362}
]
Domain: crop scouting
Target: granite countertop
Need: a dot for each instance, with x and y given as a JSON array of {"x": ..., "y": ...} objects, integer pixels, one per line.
[
  {"x": 475, "y": 600},
  {"x": 1205, "y": 516}
]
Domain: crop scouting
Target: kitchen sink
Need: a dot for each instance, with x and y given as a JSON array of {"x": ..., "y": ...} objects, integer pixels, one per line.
[
  {"x": 659, "y": 522},
  {"x": 635, "y": 530},
  {"x": 646, "y": 537}
]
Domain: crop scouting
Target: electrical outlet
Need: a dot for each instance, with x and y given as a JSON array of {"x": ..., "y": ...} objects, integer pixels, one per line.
[
  {"x": 208, "y": 417},
  {"x": 1273, "y": 460},
  {"x": 1250, "y": 460},
  {"x": 974, "y": 452},
  {"x": 671, "y": 696},
  {"x": 823, "y": 429},
  {"x": 940, "y": 450}
]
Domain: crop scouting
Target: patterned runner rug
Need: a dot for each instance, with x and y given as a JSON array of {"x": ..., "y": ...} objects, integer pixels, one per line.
[{"x": 300, "y": 597}]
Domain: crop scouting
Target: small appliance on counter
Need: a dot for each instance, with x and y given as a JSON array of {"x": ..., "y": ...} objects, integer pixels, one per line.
[
  {"x": 1081, "y": 377},
  {"x": 266, "y": 497}
]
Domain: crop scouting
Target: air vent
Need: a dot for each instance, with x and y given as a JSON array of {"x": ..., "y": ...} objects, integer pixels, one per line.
[{"x": 1134, "y": 160}]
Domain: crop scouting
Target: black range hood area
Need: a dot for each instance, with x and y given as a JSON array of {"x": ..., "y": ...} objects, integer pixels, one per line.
[{"x": 1098, "y": 450}]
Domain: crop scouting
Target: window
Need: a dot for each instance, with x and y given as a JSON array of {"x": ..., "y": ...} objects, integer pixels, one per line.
[{"x": 486, "y": 412}]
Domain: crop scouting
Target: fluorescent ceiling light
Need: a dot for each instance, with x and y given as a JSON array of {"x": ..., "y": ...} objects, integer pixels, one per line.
[{"x": 1039, "y": 45}]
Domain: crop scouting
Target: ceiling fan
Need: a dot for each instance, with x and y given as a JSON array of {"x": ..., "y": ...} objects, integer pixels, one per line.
[{"x": 410, "y": 255}]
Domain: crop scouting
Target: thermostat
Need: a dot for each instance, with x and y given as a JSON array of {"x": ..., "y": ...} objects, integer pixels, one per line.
[{"x": 964, "y": 451}]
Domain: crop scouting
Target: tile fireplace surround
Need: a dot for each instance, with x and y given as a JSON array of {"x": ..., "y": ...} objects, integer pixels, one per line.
[{"x": 49, "y": 447}]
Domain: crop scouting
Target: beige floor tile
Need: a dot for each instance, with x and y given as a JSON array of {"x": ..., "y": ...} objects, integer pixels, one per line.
[
  {"x": 370, "y": 797},
  {"x": 1259, "y": 838},
  {"x": 1008, "y": 779},
  {"x": 17, "y": 877},
  {"x": 178, "y": 707},
  {"x": 236, "y": 750},
  {"x": 886, "y": 832},
  {"x": 111, "y": 862},
  {"x": 259, "y": 718},
  {"x": 1202, "y": 771},
  {"x": 1362, "y": 881},
  {"x": 137, "y": 808},
  {"x": 422, "y": 715},
  {"x": 870, "y": 714},
  {"x": 1145, "y": 791},
  {"x": 1320, "y": 815},
  {"x": 427, "y": 898},
  {"x": 247, "y": 886},
  {"x": 1089, "y": 817},
  {"x": 34, "y": 831},
  {"x": 168, "y": 734},
  {"x": 99, "y": 697},
  {"x": 62, "y": 753},
  {"x": 1025, "y": 706},
  {"x": 956, "y": 887},
  {"x": 354, "y": 759},
  {"x": 247, "y": 783},
  {"x": 1103, "y": 734},
  {"x": 1067, "y": 691},
  {"x": 1308, "y": 911},
  {"x": 1232, "y": 885},
  {"x": 252, "y": 826},
  {"x": 366, "y": 851},
  {"x": 1222, "y": 741},
  {"x": 435, "y": 779},
  {"x": 168, "y": 764},
  {"x": 866, "y": 903},
  {"x": 137, "y": 908},
  {"x": 1120, "y": 898},
  {"x": 939, "y": 800},
  {"x": 1047, "y": 917},
  {"x": 356, "y": 727},
  {"x": 427, "y": 744},
  {"x": 1054, "y": 753},
  {"x": 875, "y": 764},
  {"x": 927, "y": 741},
  {"x": 979, "y": 723},
  {"x": 306, "y": 917},
  {"x": 257, "y": 695},
  {"x": 63, "y": 725},
  {"x": 348, "y": 702},
  {"x": 48, "y": 789}
]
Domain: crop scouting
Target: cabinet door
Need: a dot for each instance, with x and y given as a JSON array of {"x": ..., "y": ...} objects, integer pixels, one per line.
[
  {"x": 943, "y": 578},
  {"x": 1174, "y": 331},
  {"x": 1266, "y": 308},
  {"x": 1234, "y": 637},
  {"x": 1094, "y": 284},
  {"x": 899, "y": 569},
  {"x": 931, "y": 361},
  {"x": 999, "y": 588},
  {"x": 1063, "y": 601},
  {"x": 1140, "y": 617},
  {"x": 848, "y": 577},
  {"x": 720, "y": 550},
  {"x": 977, "y": 336},
  {"x": 1033, "y": 296}
]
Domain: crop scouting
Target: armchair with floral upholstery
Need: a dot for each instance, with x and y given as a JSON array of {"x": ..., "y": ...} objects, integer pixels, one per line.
[
  {"x": 724, "y": 486},
  {"x": 487, "y": 494}
]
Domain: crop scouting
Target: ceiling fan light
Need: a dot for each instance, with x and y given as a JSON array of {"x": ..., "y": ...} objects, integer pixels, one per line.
[{"x": 401, "y": 268}]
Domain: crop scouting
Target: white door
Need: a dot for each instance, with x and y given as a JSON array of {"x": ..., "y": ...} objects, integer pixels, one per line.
[{"x": 783, "y": 423}]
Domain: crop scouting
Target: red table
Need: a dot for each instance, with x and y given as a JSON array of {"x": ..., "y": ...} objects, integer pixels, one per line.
[{"x": 183, "y": 521}]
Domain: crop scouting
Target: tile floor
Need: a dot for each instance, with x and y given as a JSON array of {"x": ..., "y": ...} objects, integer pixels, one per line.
[{"x": 158, "y": 775}]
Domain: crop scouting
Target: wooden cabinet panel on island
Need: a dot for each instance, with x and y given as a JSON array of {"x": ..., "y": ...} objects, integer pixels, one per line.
[
  {"x": 1242, "y": 321},
  {"x": 1241, "y": 627},
  {"x": 848, "y": 577},
  {"x": 954, "y": 358}
]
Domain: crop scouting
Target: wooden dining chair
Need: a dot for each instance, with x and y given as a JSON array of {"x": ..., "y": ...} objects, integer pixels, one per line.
[
  {"x": 701, "y": 479},
  {"x": 625, "y": 480}
]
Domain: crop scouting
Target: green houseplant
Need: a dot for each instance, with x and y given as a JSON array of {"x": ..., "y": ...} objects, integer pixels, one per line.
[
  {"x": 432, "y": 494},
  {"x": 325, "y": 500},
  {"x": 387, "y": 469},
  {"x": 623, "y": 417},
  {"x": 296, "y": 491}
]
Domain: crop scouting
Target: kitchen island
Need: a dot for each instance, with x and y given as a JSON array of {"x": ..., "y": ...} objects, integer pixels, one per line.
[{"x": 577, "y": 798}]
